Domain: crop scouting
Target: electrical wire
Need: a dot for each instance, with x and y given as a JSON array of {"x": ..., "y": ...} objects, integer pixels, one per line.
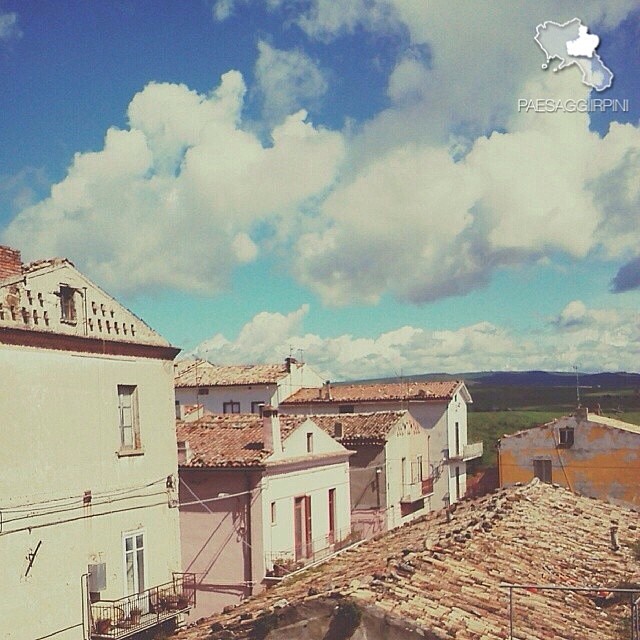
[{"x": 80, "y": 496}]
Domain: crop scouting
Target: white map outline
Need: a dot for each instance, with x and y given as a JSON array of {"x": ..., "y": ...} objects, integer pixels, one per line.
[{"x": 569, "y": 60}]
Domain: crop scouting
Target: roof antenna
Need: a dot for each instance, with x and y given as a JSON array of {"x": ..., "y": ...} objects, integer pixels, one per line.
[{"x": 575, "y": 368}]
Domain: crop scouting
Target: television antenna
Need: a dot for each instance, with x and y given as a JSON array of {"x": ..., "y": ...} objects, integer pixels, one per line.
[{"x": 575, "y": 368}]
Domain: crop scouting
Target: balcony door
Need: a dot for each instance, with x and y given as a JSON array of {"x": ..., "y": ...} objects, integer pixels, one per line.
[
  {"x": 302, "y": 527},
  {"x": 134, "y": 563}
]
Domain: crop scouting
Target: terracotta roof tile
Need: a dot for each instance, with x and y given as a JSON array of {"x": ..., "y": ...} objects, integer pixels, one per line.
[
  {"x": 229, "y": 440},
  {"x": 376, "y": 392},
  {"x": 199, "y": 373},
  {"x": 360, "y": 427},
  {"x": 444, "y": 577}
]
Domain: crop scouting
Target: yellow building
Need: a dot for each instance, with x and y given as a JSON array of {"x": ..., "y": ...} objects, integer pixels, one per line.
[{"x": 589, "y": 454}]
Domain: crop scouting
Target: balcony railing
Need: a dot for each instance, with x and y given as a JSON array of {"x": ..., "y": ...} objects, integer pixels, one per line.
[
  {"x": 467, "y": 452},
  {"x": 427, "y": 486},
  {"x": 284, "y": 562},
  {"x": 127, "y": 616},
  {"x": 472, "y": 451}
]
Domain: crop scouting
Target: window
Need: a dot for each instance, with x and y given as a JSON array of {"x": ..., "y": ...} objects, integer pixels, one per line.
[
  {"x": 338, "y": 431},
  {"x": 346, "y": 408},
  {"x": 67, "y": 303},
  {"x": 134, "y": 562},
  {"x": 566, "y": 437},
  {"x": 309, "y": 442},
  {"x": 128, "y": 410},
  {"x": 203, "y": 391},
  {"x": 257, "y": 406},
  {"x": 542, "y": 470},
  {"x": 457, "y": 433},
  {"x": 231, "y": 407},
  {"x": 273, "y": 513},
  {"x": 419, "y": 468},
  {"x": 457, "y": 483}
]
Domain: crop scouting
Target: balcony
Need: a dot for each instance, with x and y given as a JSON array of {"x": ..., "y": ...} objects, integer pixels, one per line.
[
  {"x": 127, "y": 616},
  {"x": 285, "y": 562},
  {"x": 468, "y": 452}
]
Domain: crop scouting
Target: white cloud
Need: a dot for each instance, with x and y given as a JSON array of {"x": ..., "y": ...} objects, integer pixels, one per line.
[
  {"x": 593, "y": 339},
  {"x": 174, "y": 200},
  {"x": 417, "y": 223},
  {"x": 9, "y": 29},
  {"x": 287, "y": 81}
]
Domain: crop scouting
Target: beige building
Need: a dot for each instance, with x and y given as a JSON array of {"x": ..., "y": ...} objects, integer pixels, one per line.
[
  {"x": 238, "y": 388},
  {"x": 591, "y": 454},
  {"x": 439, "y": 407},
  {"x": 259, "y": 497},
  {"x": 89, "y": 531},
  {"x": 389, "y": 472}
]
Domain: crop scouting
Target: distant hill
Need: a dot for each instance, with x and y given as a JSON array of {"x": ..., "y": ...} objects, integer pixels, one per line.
[{"x": 620, "y": 379}]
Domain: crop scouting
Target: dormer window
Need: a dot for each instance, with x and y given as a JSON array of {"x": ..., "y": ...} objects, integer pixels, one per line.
[
  {"x": 67, "y": 304},
  {"x": 565, "y": 437},
  {"x": 337, "y": 430}
]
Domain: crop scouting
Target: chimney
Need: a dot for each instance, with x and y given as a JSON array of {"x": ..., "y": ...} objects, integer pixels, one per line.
[
  {"x": 10, "y": 262},
  {"x": 581, "y": 414},
  {"x": 271, "y": 429},
  {"x": 327, "y": 390},
  {"x": 290, "y": 363}
]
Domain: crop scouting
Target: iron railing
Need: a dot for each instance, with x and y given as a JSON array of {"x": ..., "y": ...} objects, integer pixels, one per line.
[
  {"x": 280, "y": 563},
  {"x": 126, "y": 616}
]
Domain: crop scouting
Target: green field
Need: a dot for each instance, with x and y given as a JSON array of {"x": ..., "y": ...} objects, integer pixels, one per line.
[{"x": 501, "y": 410}]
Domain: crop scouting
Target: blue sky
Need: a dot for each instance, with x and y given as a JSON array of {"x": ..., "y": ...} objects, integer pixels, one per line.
[{"x": 350, "y": 181}]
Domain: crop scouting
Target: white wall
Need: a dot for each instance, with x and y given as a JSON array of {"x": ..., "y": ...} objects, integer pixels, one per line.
[
  {"x": 273, "y": 394},
  {"x": 315, "y": 481},
  {"x": 214, "y": 400},
  {"x": 407, "y": 440},
  {"x": 437, "y": 418},
  {"x": 61, "y": 435}
]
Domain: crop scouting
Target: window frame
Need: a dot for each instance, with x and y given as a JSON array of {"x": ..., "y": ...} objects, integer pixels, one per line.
[
  {"x": 566, "y": 437},
  {"x": 234, "y": 404},
  {"x": 135, "y": 446},
  {"x": 259, "y": 405},
  {"x": 68, "y": 310},
  {"x": 543, "y": 465},
  {"x": 309, "y": 441},
  {"x": 139, "y": 569}
]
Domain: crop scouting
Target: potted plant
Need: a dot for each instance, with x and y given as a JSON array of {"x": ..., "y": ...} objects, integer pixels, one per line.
[
  {"x": 135, "y": 615},
  {"x": 102, "y": 625}
]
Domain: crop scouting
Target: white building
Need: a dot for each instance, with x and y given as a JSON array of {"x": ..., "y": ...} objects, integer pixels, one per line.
[
  {"x": 258, "y": 496},
  {"x": 238, "y": 388},
  {"x": 89, "y": 527},
  {"x": 439, "y": 407},
  {"x": 390, "y": 476}
]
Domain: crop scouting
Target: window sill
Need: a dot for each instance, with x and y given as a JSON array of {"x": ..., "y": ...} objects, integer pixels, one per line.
[{"x": 127, "y": 453}]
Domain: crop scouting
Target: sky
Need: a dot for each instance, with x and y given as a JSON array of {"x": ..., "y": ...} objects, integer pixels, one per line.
[{"x": 351, "y": 183}]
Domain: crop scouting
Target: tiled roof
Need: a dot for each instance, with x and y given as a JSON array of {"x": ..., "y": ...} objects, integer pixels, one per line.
[
  {"x": 360, "y": 427},
  {"x": 200, "y": 373},
  {"x": 229, "y": 440},
  {"x": 443, "y": 577},
  {"x": 376, "y": 392}
]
